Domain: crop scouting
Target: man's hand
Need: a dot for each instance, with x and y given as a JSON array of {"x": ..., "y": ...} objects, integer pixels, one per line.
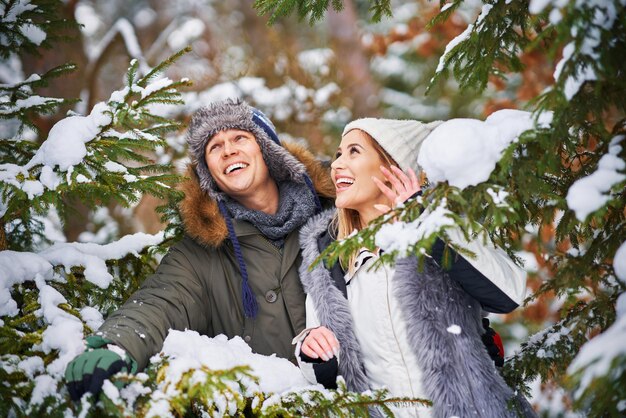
[
  {"x": 493, "y": 344},
  {"x": 88, "y": 371},
  {"x": 320, "y": 343}
]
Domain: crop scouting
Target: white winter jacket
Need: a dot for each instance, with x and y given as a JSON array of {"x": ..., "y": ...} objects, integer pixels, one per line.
[{"x": 381, "y": 329}]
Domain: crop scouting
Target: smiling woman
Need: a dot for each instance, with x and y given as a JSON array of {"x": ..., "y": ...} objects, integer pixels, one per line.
[
  {"x": 235, "y": 161},
  {"x": 416, "y": 331}
]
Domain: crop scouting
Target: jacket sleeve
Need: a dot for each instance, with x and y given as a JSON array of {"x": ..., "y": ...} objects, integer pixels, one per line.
[
  {"x": 490, "y": 277},
  {"x": 172, "y": 298},
  {"x": 315, "y": 370}
]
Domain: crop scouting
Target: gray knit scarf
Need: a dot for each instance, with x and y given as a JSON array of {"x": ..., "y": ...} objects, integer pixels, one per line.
[{"x": 295, "y": 207}]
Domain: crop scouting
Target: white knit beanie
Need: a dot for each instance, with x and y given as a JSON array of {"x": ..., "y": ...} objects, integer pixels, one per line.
[{"x": 402, "y": 139}]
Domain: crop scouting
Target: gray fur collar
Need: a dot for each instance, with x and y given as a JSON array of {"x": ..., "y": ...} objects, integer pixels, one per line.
[
  {"x": 459, "y": 376},
  {"x": 332, "y": 308}
]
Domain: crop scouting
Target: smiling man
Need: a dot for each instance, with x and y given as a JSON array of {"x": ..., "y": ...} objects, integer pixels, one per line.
[
  {"x": 236, "y": 163},
  {"x": 236, "y": 270}
]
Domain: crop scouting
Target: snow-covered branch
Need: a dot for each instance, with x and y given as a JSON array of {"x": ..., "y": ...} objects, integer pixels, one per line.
[{"x": 18, "y": 267}]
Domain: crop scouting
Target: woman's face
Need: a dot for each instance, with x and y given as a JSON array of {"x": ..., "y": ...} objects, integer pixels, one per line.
[{"x": 355, "y": 163}]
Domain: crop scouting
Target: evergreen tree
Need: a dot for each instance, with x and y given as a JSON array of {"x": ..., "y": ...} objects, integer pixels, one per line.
[
  {"x": 566, "y": 172},
  {"x": 53, "y": 294}
]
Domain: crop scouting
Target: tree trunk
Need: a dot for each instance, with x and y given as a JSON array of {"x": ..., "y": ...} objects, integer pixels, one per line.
[
  {"x": 68, "y": 86},
  {"x": 4, "y": 245},
  {"x": 352, "y": 62}
]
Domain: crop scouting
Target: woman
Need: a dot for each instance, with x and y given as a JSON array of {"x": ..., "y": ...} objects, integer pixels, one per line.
[{"x": 416, "y": 332}]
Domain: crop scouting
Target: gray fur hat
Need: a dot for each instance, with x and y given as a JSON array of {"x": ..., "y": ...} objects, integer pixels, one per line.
[{"x": 237, "y": 114}]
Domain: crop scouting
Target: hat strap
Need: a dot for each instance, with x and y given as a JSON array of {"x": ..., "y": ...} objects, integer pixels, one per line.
[
  {"x": 316, "y": 198},
  {"x": 250, "y": 305}
]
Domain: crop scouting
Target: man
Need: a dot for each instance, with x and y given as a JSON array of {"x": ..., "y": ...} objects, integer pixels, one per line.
[{"x": 236, "y": 270}]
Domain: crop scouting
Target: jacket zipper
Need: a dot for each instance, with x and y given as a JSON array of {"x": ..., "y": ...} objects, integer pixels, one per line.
[{"x": 268, "y": 242}]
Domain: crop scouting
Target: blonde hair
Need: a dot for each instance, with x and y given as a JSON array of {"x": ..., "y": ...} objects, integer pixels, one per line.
[{"x": 346, "y": 221}]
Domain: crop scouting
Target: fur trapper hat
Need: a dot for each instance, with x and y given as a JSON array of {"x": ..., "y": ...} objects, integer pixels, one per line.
[{"x": 237, "y": 114}]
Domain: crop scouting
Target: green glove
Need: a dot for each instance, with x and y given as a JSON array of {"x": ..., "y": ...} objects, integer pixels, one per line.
[{"x": 88, "y": 371}]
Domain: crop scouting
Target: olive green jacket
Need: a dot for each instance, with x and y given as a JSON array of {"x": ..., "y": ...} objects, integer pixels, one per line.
[{"x": 197, "y": 286}]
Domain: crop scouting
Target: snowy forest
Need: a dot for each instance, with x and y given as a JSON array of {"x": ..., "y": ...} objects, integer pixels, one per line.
[{"x": 95, "y": 99}]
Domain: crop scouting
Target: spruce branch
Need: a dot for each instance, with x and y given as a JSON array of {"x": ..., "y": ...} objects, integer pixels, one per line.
[
  {"x": 162, "y": 66},
  {"x": 476, "y": 54},
  {"x": 314, "y": 9},
  {"x": 26, "y": 28},
  {"x": 115, "y": 165}
]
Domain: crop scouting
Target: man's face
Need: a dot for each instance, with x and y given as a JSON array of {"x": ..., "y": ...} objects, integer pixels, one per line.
[{"x": 236, "y": 163}]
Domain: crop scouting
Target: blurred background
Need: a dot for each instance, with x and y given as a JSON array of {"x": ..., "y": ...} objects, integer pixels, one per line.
[{"x": 310, "y": 80}]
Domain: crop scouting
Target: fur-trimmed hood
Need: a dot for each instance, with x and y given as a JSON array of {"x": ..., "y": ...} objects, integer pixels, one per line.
[{"x": 200, "y": 213}]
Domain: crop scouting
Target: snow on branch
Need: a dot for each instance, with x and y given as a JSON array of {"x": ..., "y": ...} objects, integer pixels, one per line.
[
  {"x": 401, "y": 236},
  {"x": 64, "y": 331},
  {"x": 17, "y": 83},
  {"x": 15, "y": 268},
  {"x": 67, "y": 145},
  {"x": 462, "y": 37},
  {"x": 188, "y": 350},
  {"x": 590, "y": 193},
  {"x": 19, "y": 267},
  {"x": 29, "y": 103},
  {"x": 577, "y": 64},
  {"x": 596, "y": 359},
  {"x": 21, "y": 29},
  {"x": 223, "y": 377}
]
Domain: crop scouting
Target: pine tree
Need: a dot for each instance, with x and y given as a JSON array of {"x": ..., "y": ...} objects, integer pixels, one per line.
[
  {"x": 53, "y": 294},
  {"x": 314, "y": 10},
  {"x": 567, "y": 174}
]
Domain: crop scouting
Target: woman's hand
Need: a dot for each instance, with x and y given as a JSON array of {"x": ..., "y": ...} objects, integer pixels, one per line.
[
  {"x": 404, "y": 186},
  {"x": 320, "y": 343}
]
